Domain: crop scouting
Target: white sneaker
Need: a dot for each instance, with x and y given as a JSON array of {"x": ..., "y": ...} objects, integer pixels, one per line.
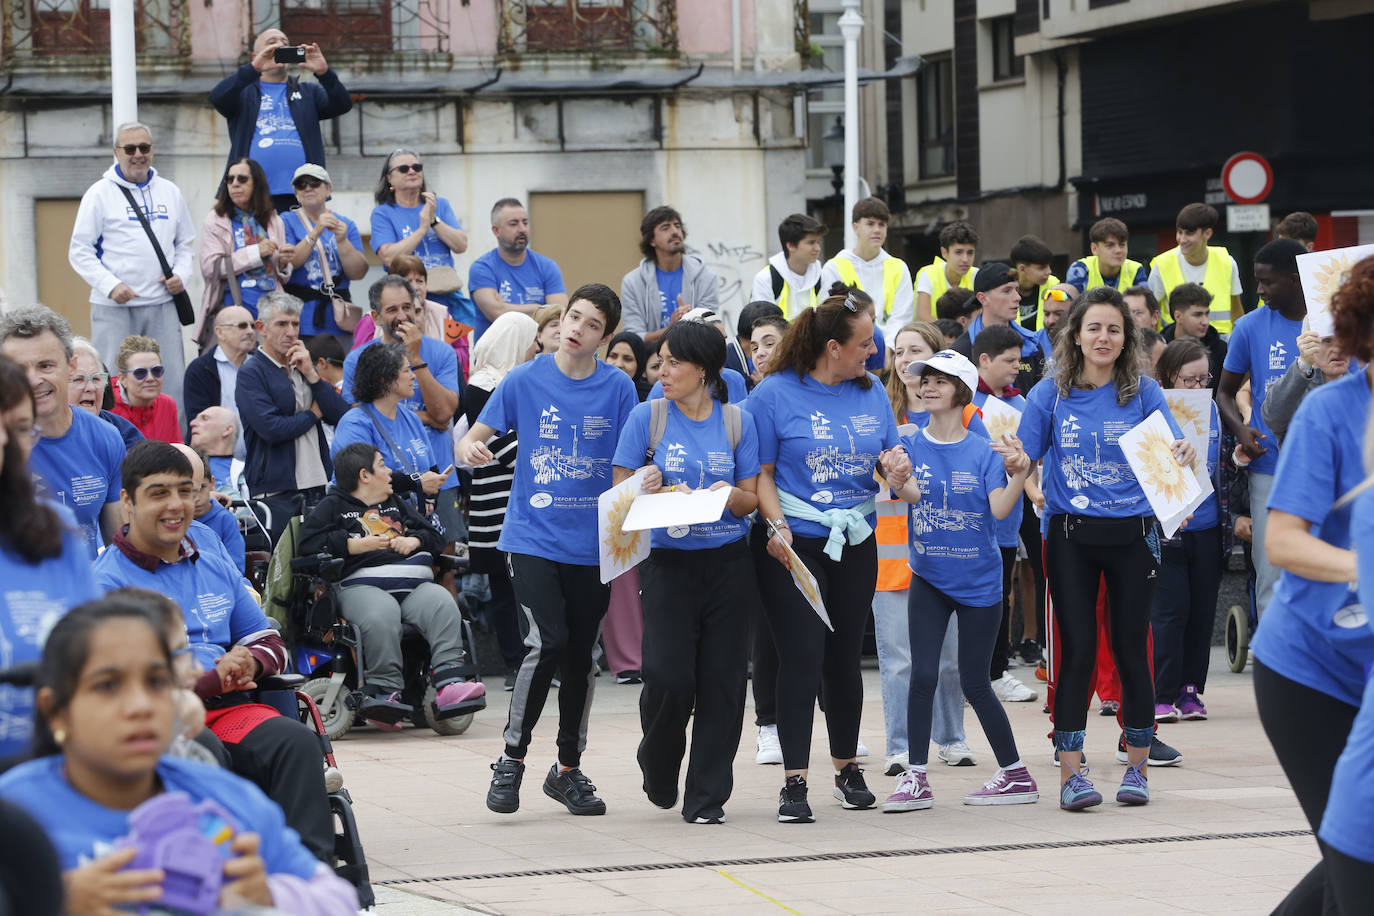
[
  {"x": 770, "y": 750},
  {"x": 861, "y": 750},
  {"x": 1010, "y": 690},
  {"x": 957, "y": 754},
  {"x": 897, "y": 764}
]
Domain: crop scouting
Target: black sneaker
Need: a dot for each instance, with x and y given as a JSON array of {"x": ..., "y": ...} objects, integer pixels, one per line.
[
  {"x": 504, "y": 795},
  {"x": 1029, "y": 652},
  {"x": 1083, "y": 759},
  {"x": 851, "y": 790},
  {"x": 631, "y": 676},
  {"x": 1161, "y": 755},
  {"x": 792, "y": 806},
  {"x": 661, "y": 799},
  {"x": 574, "y": 790}
]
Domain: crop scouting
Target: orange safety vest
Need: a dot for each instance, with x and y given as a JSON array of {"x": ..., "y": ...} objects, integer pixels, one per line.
[{"x": 894, "y": 575}]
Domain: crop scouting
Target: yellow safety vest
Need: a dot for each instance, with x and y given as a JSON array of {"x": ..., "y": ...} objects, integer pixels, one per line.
[
  {"x": 1052, "y": 280},
  {"x": 1216, "y": 281},
  {"x": 1124, "y": 280},
  {"x": 939, "y": 282},
  {"x": 784, "y": 298},
  {"x": 892, "y": 278}
]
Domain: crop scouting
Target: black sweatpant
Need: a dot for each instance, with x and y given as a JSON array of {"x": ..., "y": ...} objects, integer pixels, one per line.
[
  {"x": 696, "y": 620},
  {"x": 1349, "y": 882},
  {"x": 285, "y": 759},
  {"x": 564, "y": 605},
  {"x": 1117, "y": 550},
  {"x": 1184, "y": 609},
  {"x": 1308, "y": 730},
  {"x": 928, "y": 611},
  {"x": 763, "y": 654},
  {"x": 813, "y": 660},
  {"x": 1001, "y": 647}
]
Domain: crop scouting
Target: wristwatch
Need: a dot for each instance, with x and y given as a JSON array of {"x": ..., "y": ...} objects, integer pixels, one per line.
[{"x": 434, "y": 222}]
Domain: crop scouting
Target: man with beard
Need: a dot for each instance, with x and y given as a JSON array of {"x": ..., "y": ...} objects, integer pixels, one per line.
[
  {"x": 511, "y": 277},
  {"x": 668, "y": 283},
  {"x": 435, "y": 394}
]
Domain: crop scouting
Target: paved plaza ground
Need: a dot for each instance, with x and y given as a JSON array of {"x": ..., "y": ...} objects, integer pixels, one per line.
[{"x": 1222, "y": 833}]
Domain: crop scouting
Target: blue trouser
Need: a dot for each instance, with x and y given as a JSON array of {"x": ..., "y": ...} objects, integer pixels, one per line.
[{"x": 893, "y": 635}]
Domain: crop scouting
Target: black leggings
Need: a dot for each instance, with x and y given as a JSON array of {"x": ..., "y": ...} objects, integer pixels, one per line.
[
  {"x": 810, "y": 657},
  {"x": 928, "y": 611},
  {"x": 1308, "y": 730},
  {"x": 1079, "y": 552},
  {"x": 764, "y": 655},
  {"x": 1349, "y": 882},
  {"x": 1185, "y": 607},
  {"x": 1001, "y": 646}
]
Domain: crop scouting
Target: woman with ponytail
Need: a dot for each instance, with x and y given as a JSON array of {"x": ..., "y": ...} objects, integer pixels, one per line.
[
  {"x": 824, "y": 427},
  {"x": 699, "y": 579}
]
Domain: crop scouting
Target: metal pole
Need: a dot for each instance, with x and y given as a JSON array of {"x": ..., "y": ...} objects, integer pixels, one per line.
[
  {"x": 123, "y": 63},
  {"x": 851, "y": 23}
]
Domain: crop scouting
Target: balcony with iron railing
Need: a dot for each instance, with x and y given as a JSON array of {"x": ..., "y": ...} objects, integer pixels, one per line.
[
  {"x": 63, "y": 32},
  {"x": 629, "y": 27}
]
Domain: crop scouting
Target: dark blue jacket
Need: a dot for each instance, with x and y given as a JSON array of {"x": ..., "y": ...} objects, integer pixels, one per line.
[
  {"x": 127, "y": 431},
  {"x": 200, "y": 385},
  {"x": 271, "y": 423},
  {"x": 237, "y": 97}
]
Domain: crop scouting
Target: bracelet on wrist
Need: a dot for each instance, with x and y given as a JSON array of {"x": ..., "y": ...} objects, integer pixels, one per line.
[{"x": 416, "y": 367}]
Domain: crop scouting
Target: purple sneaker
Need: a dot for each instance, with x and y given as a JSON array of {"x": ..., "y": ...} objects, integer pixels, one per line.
[
  {"x": 1078, "y": 793},
  {"x": 1190, "y": 704},
  {"x": 1166, "y": 712},
  {"x": 1008, "y": 787},
  {"x": 913, "y": 794}
]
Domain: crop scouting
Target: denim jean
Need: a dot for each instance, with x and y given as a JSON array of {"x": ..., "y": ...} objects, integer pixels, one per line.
[
  {"x": 892, "y": 634},
  {"x": 1266, "y": 574}
]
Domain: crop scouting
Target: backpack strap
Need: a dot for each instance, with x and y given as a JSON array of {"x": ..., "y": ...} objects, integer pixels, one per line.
[
  {"x": 658, "y": 422},
  {"x": 777, "y": 281},
  {"x": 733, "y": 425}
]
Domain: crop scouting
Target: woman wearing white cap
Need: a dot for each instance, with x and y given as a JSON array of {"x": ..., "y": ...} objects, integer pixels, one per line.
[
  {"x": 326, "y": 253},
  {"x": 960, "y": 484}
]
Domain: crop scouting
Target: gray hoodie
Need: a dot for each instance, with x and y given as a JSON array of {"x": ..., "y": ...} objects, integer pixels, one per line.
[{"x": 641, "y": 310}]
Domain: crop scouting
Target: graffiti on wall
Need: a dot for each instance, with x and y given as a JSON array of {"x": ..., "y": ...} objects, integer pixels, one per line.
[{"x": 734, "y": 264}]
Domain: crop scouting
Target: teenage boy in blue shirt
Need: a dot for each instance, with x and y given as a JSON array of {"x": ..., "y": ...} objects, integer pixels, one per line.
[{"x": 568, "y": 408}]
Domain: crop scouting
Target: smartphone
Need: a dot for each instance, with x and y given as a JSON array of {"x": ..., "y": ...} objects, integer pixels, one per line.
[{"x": 289, "y": 54}]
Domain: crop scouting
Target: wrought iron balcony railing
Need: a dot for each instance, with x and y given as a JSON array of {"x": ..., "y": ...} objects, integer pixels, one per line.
[
  {"x": 59, "y": 30},
  {"x": 587, "y": 26}
]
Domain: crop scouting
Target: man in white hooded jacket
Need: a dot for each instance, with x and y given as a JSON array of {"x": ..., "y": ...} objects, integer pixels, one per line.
[{"x": 112, "y": 253}]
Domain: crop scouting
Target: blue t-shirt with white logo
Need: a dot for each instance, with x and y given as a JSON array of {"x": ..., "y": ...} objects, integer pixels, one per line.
[
  {"x": 83, "y": 830},
  {"x": 310, "y": 274},
  {"x": 568, "y": 430},
  {"x": 1009, "y": 528},
  {"x": 80, "y": 470},
  {"x": 408, "y": 449},
  {"x": 696, "y": 453},
  {"x": 1078, "y": 436},
  {"x": 1313, "y": 632},
  {"x": 443, "y": 365},
  {"x": 735, "y": 386},
  {"x": 1263, "y": 344},
  {"x": 530, "y": 282},
  {"x": 952, "y": 531},
  {"x": 1345, "y": 825},
  {"x": 669, "y": 288},
  {"x": 824, "y": 440},
  {"x": 276, "y": 144},
  {"x": 392, "y": 222},
  {"x": 32, "y": 598}
]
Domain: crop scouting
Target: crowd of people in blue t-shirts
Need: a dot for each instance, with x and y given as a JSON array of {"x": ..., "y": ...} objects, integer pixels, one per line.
[{"x": 939, "y": 456}]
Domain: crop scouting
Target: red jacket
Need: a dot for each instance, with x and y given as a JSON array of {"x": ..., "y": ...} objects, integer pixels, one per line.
[{"x": 156, "y": 421}]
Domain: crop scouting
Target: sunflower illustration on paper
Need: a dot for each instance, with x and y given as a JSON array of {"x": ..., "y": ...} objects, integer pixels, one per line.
[
  {"x": 622, "y": 545},
  {"x": 1189, "y": 418},
  {"x": 1158, "y": 469},
  {"x": 1329, "y": 276},
  {"x": 1001, "y": 423}
]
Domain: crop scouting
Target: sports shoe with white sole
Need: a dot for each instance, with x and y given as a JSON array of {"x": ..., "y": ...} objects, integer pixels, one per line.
[
  {"x": 1010, "y": 690},
  {"x": 1161, "y": 755},
  {"x": 1007, "y": 787},
  {"x": 912, "y": 794},
  {"x": 957, "y": 754},
  {"x": 897, "y": 764},
  {"x": 769, "y": 749}
]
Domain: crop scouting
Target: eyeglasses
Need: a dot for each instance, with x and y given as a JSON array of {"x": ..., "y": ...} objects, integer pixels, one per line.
[
  {"x": 304, "y": 184},
  {"x": 237, "y": 179},
  {"x": 98, "y": 379},
  {"x": 142, "y": 372},
  {"x": 1195, "y": 381},
  {"x": 241, "y": 325},
  {"x": 407, "y": 167},
  {"x": 131, "y": 148}
]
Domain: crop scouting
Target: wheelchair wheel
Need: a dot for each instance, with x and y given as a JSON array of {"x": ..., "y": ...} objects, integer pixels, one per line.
[
  {"x": 337, "y": 716},
  {"x": 1237, "y": 638},
  {"x": 454, "y": 726}
]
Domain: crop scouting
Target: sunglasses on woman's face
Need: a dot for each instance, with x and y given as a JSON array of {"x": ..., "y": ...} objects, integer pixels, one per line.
[
  {"x": 238, "y": 179},
  {"x": 142, "y": 372},
  {"x": 131, "y": 148},
  {"x": 302, "y": 184},
  {"x": 407, "y": 167}
]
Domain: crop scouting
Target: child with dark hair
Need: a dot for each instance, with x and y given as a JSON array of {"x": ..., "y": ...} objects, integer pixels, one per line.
[
  {"x": 1107, "y": 265},
  {"x": 1031, "y": 258},
  {"x": 738, "y": 351},
  {"x": 1192, "y": 321},
  {"x": 958, "y": 304},
  {"x": 792, "y": 278},
  {"x": 870, "y": 268}
]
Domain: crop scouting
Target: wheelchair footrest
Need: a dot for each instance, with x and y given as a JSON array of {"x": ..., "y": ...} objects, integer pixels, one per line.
[{"x": 476, "y": 704}]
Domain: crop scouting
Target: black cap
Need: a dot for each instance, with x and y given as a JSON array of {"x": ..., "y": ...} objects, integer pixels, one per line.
[{"x": 991, "y": 276}]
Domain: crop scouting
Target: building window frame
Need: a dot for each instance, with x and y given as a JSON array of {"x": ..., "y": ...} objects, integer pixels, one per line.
[{"x": 935, "y": 118}]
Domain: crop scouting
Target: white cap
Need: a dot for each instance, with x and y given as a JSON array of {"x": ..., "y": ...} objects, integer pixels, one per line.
[
  {"x": 702, "y": 314},
  {"x": 950, "y": 363}
]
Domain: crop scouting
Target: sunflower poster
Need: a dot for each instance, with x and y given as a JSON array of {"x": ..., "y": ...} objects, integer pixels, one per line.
[
  {"x": 1000, "y": 418},
  {"x": 1322, "y": 273},
  {"x": 1173, "y": 490},
  {"x": 621, "y": 550}
]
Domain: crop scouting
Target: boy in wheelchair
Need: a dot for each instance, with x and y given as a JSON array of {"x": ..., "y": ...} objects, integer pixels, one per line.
[{"x": 388, "y": 551}]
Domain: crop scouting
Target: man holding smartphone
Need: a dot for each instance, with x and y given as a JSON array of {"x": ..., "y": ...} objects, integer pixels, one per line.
[{"x": 273, "y": 117}]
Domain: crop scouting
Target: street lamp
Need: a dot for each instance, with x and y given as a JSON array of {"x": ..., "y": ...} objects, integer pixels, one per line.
[
  {"x": 851, "y": 23},
  {"x": 832, "y": 147}
]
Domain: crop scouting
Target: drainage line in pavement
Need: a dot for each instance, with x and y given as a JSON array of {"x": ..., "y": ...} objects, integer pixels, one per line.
[{"x": 845, "y": 856}]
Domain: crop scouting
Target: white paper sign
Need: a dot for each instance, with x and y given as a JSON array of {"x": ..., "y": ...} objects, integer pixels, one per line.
[
  {"x": 621, "y": 550},
  {"x": 1170, "y": 487},
  {"x": 673, "y": 508},
  {"x": 1000, "y": 418},
  {"x": 806, "y": 584},
  {"x": 1322, "y": 273}
]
